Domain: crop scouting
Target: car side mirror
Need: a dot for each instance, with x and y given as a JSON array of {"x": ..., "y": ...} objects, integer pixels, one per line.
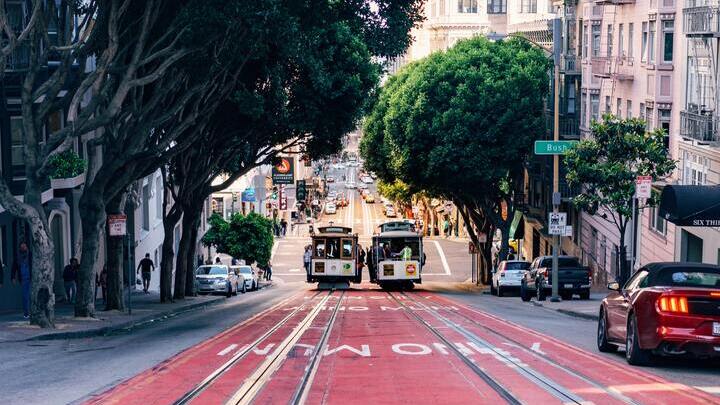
[{"x": 614, "y": 286}]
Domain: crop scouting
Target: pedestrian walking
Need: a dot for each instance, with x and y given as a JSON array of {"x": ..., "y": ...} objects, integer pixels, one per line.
[
  {"x": 70, "y": 275},
  {"x": 147, "y": 266},
  {"x": 283, "y": 226},
  {"x": 268, "y": 272},
  {"x": 22, "y": 273},
  {"x": 307, "y": 260},
  {"x": 101, "y": 281}
]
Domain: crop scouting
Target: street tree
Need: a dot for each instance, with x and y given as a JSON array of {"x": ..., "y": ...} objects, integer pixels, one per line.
[
  {"x": 606, "y": 166},
  {"x": 246, "y": 237},
  {"x": 459, "y": 125}
]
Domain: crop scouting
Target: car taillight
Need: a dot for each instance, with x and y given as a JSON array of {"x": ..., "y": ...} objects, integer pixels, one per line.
[{"x": 673, "y": 304}]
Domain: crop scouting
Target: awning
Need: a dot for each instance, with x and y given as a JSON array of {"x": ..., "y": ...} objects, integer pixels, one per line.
[
  {"x": 517, "y": 226},
  {"x": 691, "y": 205}
]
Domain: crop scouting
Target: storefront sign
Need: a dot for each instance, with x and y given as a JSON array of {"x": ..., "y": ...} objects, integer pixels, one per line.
[{"x": 284, "y": 171}]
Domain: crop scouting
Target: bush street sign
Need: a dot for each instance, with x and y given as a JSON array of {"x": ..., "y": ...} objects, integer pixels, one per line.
[{"x": 553, "y": 147}]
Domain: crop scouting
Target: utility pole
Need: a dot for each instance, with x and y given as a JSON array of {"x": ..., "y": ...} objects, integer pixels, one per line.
[{"x": 556, "y": 197}]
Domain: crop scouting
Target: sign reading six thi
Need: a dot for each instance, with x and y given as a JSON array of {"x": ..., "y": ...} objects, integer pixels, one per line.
[{"x": 553, "y": 147}]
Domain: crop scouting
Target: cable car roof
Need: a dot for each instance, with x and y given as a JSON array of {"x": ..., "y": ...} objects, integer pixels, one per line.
[{"x": 398, "y": 234}]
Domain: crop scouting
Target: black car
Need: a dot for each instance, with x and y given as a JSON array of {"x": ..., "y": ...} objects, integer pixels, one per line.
[{"x": 573, "y": 278}]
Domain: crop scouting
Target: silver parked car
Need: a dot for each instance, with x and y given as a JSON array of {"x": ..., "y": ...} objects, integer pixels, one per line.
[
  {"x": 216, "y": 278},
  {"x": 508, "y": 275},
  {"x": 247, "y": 278}
]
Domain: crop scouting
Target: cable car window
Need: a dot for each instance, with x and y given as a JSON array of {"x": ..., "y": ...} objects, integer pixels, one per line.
[
  {"x": 347, "y": 245},
  {"x": 319, "y": 248},
  {"x": 333, "y": 248},
  {"x": 401, "y": 248}
]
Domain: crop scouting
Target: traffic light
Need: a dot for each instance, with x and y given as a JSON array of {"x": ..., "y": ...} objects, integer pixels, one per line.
[
  {"x": 300, "y": 190},
  {"x": 234, "y": 195},
  {"x": 274, "y": 193}
]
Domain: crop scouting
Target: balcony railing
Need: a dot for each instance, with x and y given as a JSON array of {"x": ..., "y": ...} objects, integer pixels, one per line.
[
  {"x": 601, "y": 66},
  {"x": 615, "y": 2},
  {"x": 701, "y": 18},
  {"x": 701, "y": 127}
]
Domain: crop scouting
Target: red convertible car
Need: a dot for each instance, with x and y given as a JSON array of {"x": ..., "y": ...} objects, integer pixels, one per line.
[{"x": 664, "y": 309}]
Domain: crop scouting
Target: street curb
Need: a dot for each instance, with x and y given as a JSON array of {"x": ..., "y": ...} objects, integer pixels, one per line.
[
  {"x": 106, "y": 330},
  {"x": 568, "y": 312}
]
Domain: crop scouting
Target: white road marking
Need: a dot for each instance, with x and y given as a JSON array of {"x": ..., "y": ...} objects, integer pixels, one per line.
[
  {"x": 710, "y": 390},
  {"x": 274, "y": 249},
  {"x": 294, "y": 270},
  {"x": 536, "y": 348},
  {"x": 227, "y": 350},
  {"x": 442, "y": 258}
]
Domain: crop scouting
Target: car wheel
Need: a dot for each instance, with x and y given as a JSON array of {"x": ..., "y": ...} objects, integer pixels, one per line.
[
  {"x": 244, "y": 288},
  {"x": 540, "y": 290},
  {"x": 493, "y": 290},
  {"x": 585, "y": 295},
  {"x": 524, "y": 295},
  {"x": 499, "y": 291},
  {"x": 635, "y": 355},
  {"x": 602, "y": 341},
  {"x": 255, "y": 286},
  {"x": 229, "y": 291}
]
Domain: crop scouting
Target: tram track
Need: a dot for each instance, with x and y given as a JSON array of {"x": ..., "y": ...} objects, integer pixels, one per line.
[
  {"x": 528, "y": 350},
  {"x": 238, "y": 356},
  {"x": 493, "y": 383},
  {"x": 262, "y": 374}
]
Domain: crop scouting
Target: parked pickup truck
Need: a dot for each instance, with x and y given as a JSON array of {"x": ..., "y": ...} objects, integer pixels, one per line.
[{"x": 573, "y": 278}]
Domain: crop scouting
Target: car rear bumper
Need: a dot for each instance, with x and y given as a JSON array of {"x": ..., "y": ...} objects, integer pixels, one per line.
[
  {"x": 510, "y": 283},
  {"x": 211, "y": 288}
]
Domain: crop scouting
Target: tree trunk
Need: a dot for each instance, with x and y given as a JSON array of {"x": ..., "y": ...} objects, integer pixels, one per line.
[
  {"x": 181, "y": 262},
  {"x": 92, "y": 206},
  {"x": 114, "y": 265},
  {"x": 190, "y": 259},
  {"x": 42, "y": 297},
  {"x": 624, "y": 264},
  {"x": 168, "y": 254}
]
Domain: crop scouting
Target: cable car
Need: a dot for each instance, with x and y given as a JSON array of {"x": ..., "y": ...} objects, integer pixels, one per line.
[
  {"x": 397, "y": 256},
  {"x": 334, "y": 257}
]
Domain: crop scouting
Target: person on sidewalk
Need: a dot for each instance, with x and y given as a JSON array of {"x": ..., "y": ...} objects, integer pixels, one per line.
[
  {"x": 268, "y": 272},
  {"x": 147, "y": 266},
  {"x": 22, "y": 273},
  {"x": 307, "y": 260},
  {"x": 283, "y": 226},
  {"x": 70, "y": 275},
  {"x": 101, "y": 281}
]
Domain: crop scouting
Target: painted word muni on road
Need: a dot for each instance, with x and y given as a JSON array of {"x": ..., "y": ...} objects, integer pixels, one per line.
[{"x": 553, "y": 147}]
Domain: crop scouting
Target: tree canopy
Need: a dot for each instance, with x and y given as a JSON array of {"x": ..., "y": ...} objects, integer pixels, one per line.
[{"x": 248, "y": 237}]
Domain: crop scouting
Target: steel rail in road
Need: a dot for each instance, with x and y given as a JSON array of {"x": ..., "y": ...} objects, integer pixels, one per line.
[
  {"x": 207, "y": 382},
  {"x": 301, "y": 393},
  {"x": 553, "y": 388},
  {"x": 253, "y": 384},
  {"x": 487, "y": 378},
  {"x": 613, "y": 393}
]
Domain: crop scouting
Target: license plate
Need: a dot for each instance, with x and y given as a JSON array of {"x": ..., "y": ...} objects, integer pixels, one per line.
[
  {"x": 716, "y": 328},
  {"x": 568, "y": 286}
]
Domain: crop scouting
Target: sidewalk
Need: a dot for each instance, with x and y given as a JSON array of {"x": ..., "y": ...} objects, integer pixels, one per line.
[
  {"x": 145, "y": 308},
  {"x": 587, "y": 309}
]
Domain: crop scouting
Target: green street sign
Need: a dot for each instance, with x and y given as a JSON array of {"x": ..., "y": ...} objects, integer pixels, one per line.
[{"x": 553, "y": 147}]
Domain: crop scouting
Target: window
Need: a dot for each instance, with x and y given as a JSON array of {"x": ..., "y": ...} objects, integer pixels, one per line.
[
  {"x": 657, "y": 223},
  {"x": 497, "y": 6},
  {"x": 607, "y": 105},
  {"x": 218, "y": 206},
  {"x": 594, "y": 107},
  {"x": 695, "y": 170},
  {"x": 618, "y": 108},
  {"x": 159, "y": 198},
  {"x": 583, "y": 42},
  {"x": 642, "y": 111},
  {"x": 609, "y": 34},
  {"x": 333, "y": 248},
  {"x": 319, "y": 248},
  {"x": 628, "y": 109},
  {"x": 649, "y": 117},
  {"x": 631, "y": 35},
  {"x": 571, "y": 99},
  {"x": 643, "y": 48},
  {"x": 583, "y": 110},
  {"x": 595, "y": 40},
  {"x": 668, "y": 28},
  {"x": 528, "y": 6},
  {"x": 651, "y": 43},
  {"x": 636, "y": 280},
  {"x": 347, "y": 246},
  {"x": 621, "y": 40},
  {"x": 467, "y": 6},
  {"x": 17, "y": 141},
  {"x": 146, "y": 207}
]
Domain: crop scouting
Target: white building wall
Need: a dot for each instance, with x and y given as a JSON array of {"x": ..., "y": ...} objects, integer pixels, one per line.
[{"x": 148, "y": 229}]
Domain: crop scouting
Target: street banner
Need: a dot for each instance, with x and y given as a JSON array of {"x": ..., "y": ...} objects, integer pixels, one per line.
[
  {"x": 248, "y": 195},
  {"x": 117, "y": 225},
  {"x": 643, "y": 187},
  {"x": 284, "y": 171},
  {"x": 557, "y": 223}
]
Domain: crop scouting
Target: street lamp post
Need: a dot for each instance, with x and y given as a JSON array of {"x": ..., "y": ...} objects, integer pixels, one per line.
[{"x": 556, "y": 26}]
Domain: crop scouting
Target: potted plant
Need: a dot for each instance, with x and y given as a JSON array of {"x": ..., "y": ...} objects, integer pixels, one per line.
[{"x": 67, "y": 170}]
